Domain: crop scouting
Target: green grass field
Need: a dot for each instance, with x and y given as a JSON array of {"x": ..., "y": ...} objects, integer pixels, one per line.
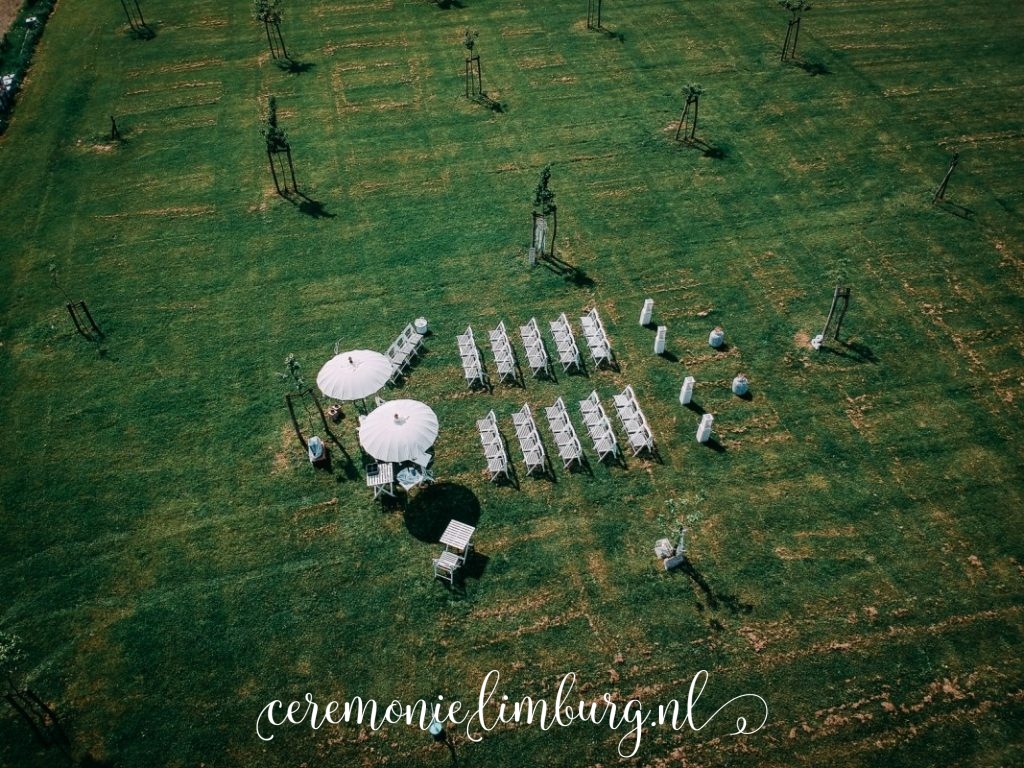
[{"x": 171, "y": 561}]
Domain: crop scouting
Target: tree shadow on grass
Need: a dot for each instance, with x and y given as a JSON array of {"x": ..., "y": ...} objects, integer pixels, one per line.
[
  {"x": 495, "y": 106},
  {"x": 428, "y": 514},
  {"x": 571, "y": 273},
  {"x": 714, "y": 599},
  {"x": 851, "y": 350},
  {"x": 293, "y": 67},
  {"x": 143, "y": 32},
  {"x": 957, "y": 210},
  {"x": 312, "y": 208},
  {"x": 611, "y": 34},
  {"x": 813, "y": 68},
  {"x": 445, "y": 5},
  {"x": 348, "y": 466},
  {"x": 709, "y": 150}
]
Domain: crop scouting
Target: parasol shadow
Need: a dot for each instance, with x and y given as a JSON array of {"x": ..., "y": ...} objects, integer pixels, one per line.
[{"x": 428, "y": 513}]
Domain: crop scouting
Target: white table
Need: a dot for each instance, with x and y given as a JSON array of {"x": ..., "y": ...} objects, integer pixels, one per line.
[
  {"x": 383, "y": 481},
  {"x": 457, "y": 538}
]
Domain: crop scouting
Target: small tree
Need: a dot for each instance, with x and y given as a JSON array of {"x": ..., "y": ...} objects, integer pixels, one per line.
[
  {"x": 691, "y": 94},
  {"x": 11, "y": 656},
  {"x": 472, "y": 64},
  {"x": 796, "y": 8},
  {"x": 293, "y": 373},
  {"x": 277, "y": 145},
  {"x": 544, "y": 206},
  {"x": 269, "y": 13}
]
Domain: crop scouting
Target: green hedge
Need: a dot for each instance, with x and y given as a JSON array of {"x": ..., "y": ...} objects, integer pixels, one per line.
[{"x": 16, "y": 48}]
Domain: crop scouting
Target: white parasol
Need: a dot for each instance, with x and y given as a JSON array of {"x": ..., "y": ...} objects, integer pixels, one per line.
[
  {"x": 399, "y": 430},
  {"x": 354, "y": 375}
]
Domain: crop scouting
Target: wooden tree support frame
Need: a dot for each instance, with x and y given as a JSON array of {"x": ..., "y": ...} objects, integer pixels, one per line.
[
  {"x": 273, "y": 153},
  {"x": 474, "y": 85},
  {"x": 792, "y": 33},
  {"x": 694, "y": 100},
  {"x": 840, "y": 301},
  {"x": 593, "y": 14},
  {"x": 940, "y": 193},
  {"x": 289, "y": 400},
  {"x": 41, "y": 719},
  {"x": 276, "y": 24},
  {"x": 135, "y": 19},
  {"x": 83, "y": 321}
]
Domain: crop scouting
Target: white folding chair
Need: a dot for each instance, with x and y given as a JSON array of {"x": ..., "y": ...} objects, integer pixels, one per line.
[{"x": 445, "y": 566}]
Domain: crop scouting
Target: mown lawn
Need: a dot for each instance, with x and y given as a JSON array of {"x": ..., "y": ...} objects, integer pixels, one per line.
[{"x": 171, "y": 561}]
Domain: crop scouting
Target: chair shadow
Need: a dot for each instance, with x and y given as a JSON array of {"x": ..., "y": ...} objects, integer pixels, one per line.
[
  {"x": 474, "y": 566},
  {"x": 617, "y": 459},
  {"x": 428, "y": 514}
]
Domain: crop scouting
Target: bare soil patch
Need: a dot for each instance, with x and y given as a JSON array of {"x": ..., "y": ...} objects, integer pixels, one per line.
[{"x": 8, "y": 13}]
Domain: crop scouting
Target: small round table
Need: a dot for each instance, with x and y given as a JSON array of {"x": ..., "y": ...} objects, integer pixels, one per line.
[{"x": 409, "y": 477}]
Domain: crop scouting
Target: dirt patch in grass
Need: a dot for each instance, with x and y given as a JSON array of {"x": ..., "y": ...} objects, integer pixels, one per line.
[
  {"x": 174, "y": 211},
  {"x": 526, "y": 603},
  {"x": 8, "y": 13},
  {"x": 96, "y": 146},
  {"x": 282, "y": 459},
  {"x": 540, "y": 62}
]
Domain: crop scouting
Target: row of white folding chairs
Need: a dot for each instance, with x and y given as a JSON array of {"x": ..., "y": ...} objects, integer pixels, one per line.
[
  {"x": 633, "y": 421},
  {"x": 599, "y": 427},
  {"x": 565, "y": 343},
  {"x": 494, "y": 447},
  {"x": 569, "y": 448},
  {"x": 403, "y": 350},
  {"x": 529, "y": 439},
  {"x": 597, "y": 340},
  {"x": 536, "y": 354},
  {"x": 472, "y": 366},
  {"x": 504, "y": 357}
]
